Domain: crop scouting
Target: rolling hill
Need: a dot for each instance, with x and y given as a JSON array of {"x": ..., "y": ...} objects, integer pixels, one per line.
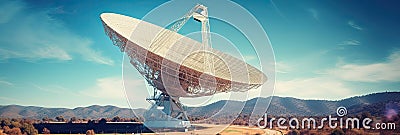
[
  {"x": 282, "y": 106},
  {"x": 90, "y": 112}
]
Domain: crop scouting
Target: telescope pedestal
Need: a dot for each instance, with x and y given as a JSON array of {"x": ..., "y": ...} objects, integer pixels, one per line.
[{"x": 166, "y": 112}]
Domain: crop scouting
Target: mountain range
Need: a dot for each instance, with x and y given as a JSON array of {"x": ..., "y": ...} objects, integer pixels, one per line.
[{"x": 376, "y": 104}]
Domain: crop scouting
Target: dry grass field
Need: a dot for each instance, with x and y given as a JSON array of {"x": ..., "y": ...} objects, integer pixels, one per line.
[
  {"x": 208, "y": 129},
  {"x": 240, "y": 130}
]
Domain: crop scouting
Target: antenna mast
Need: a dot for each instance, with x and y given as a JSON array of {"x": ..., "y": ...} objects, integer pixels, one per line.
[{"x": 200, "y": 14}]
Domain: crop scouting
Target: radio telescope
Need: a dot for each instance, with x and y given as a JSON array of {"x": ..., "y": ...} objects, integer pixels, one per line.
[{"x": 168, "y": 62}]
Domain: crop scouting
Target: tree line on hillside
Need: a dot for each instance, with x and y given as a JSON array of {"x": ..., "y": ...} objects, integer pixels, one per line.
[
  {"x": 19, "y": 126},
  {"x": 83, "y": 120}
]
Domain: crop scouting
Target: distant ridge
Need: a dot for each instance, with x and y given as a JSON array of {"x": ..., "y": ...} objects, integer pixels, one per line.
[
  {"x": 90, "y": 112},
  {"x": 287, "y": 106},
  {"x": 283, "y": 106}
]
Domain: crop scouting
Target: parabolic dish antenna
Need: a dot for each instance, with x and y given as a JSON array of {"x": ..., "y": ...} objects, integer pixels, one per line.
[{"x": 178, "y": 66}]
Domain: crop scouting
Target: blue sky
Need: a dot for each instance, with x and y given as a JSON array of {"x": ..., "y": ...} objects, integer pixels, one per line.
[{"x": 55, "y": 53}]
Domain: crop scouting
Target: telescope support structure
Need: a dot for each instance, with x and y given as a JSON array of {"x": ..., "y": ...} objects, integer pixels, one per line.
[
  {"x": 166, "y": 112},
  {"x": 170, "y": 107}
]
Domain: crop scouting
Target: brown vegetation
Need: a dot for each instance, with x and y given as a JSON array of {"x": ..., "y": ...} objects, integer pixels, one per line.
[
  {"x": 46, "y": 131},
  {"x": 90, "y": 132},
  {"x": 17, "y": 127}
]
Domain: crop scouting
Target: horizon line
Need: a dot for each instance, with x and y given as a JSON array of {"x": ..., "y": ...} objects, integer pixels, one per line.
[{"x": 204, "y": 105}]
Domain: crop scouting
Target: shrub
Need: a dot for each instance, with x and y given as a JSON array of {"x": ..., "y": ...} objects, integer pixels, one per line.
[{"x": 90, "y": 132}]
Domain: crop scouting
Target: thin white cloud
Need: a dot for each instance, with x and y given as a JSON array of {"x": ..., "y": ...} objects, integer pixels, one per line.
[
  {"x": 334, "y": 81},
  {"x": 313, "y": 88},
  {"x": 112, "y": 88},
  {"x": 7, "y": 99},
  {"x": 277, "y": 9},
  {"x": 314, "y": 13},
  {"x": 36, "y": 35},
  {"x": 249, "y": 57},
  {"x": 62, "y": 10},
  {"x": 350, "y": 42},
  {"x": 354, "y": 25},
  {"x": 95, "y": 56},
  {"x": 54, "y": 89},
  {"x": 375, "y": 72},
  {"x": 52, "y": 52},
  {"x": 281, "y": 67},
  {"x": 7, "y": 83}
]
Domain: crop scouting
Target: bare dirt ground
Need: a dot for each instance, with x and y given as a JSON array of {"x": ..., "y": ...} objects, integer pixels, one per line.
[
  {"x": 208, "y": 129},
  {"x": 240, "y": 130}
]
